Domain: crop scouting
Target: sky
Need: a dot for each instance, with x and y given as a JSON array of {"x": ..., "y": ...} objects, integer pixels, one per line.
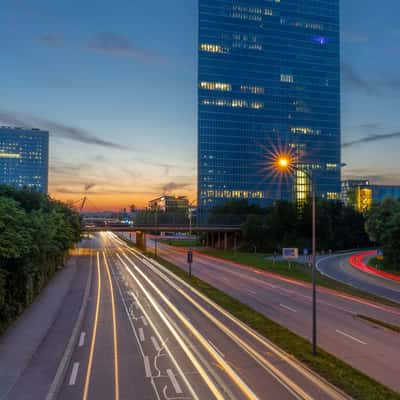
[{"x": 115, "y": 83}]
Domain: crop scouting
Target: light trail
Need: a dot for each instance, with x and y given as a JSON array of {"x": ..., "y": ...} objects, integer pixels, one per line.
[
  {"x": 94, "y": 334},
  {"x": 115, "y": 336},
  {"x": 292, "y": 387},
  {"x": 215, "y": 391},
  {"x": 308, "y": 374}
]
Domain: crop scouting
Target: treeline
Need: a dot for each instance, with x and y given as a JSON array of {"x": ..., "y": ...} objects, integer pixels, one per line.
[
  {"x": 36, "y": 233},
  {"x": 383, "y": 227},
  {"x": 282, "y": 225}
]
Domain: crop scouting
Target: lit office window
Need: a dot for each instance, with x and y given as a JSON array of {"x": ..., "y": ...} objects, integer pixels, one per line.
[
  {"x": 212, "y": 48},
  {"x": 223, "y": 87},
  {"x": 287, "y": 78},
  {"x": 252, "y": 89}
]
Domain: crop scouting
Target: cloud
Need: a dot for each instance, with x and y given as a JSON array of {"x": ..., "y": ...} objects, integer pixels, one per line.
[
  {"x": 352, "y": 79},
  {"x": 89, "y": 186},
  {"x": 113, "y": 43},
  {"x": 101, "y": 192},
  {"x": 57, "y": 129},
  {"x": 354, "y": 38},
  {"x": 171, "y": 186},
  {"x": 371, "y": 138},
  {"x": 53, "y": 40}
]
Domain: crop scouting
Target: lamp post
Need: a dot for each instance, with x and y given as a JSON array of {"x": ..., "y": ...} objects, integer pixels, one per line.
[
  {"x": 155, "y": 239},
  {"x": 285, "y": 164},
  {"x": 190, "y": 252}
]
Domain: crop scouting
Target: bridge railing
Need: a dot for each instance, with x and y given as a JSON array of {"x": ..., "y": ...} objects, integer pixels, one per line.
[{"x": 181, "y": 219}]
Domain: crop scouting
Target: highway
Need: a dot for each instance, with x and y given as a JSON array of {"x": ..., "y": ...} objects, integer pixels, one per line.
[
  {"x": 147, "y": 335},
  {"x": 370, "y": 348},
  {"x": 339, "y": 268}
]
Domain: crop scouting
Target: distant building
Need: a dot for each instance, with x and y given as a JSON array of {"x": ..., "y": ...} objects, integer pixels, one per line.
[
  {"x": 269, "y": 77},
  {"x": 170, "y": 204},
  {"x": 361, "y": 193},
  {"x": 24, "y": 158}
]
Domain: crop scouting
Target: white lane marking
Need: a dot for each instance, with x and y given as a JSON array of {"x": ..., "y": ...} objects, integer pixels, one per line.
[
  {"x": 288, "y": 308},
  {"x": 141, "y": 334},
  {"x": 349, "y": 336},
  {"x": 185, "y": 316},
  {"x": 82, "y": 339},
  {"x": 252, "y": 292},
  {"x": 144, "y": 320},
  {"x": 174, "y": 382},
  {"x": 216, "y": 348},
  {"x": 155, "y": 344},
  {"x": 147, "y": 366},
  {"x": 74, "y": 374}
]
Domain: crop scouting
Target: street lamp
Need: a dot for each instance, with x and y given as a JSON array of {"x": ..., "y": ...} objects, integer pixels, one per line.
[
  {"x": 285, "y": 163},
  {"x": 190, "y": 252},
  {"x": 155, "y": 239}
]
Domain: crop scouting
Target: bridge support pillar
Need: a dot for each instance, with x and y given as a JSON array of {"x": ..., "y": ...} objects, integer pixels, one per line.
[
  {"x": 235, "y": 242},
  {"x": 225, "y": 241},
  {"x": 141, "y": 240}
]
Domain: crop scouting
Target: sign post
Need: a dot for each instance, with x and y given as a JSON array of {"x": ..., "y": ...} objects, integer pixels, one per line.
[
  {"x": 290, "y": 253},
  {"x": 190, "y": 261}
]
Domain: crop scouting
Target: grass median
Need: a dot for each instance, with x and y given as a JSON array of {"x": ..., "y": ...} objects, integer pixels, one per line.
[
  {"x": 353, "y": 382},
  {"x": 293, "y": 270},
  {"x": 377, "y": 263}
]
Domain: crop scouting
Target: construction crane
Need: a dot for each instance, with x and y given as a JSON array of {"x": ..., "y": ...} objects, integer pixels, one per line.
[{"x": 79, "y": 204}]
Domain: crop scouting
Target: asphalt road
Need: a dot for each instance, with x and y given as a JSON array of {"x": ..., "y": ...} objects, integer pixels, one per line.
[
  {"x": 148, "y": 335},
  {"x": 338, "y": 267},
  {"x": 370, "y": 348}
]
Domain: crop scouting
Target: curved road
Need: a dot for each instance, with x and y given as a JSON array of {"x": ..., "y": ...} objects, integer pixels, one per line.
[{"x": 338, "y": 267}]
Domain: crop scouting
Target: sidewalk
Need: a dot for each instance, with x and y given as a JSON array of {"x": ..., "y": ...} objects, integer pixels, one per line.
[{"x": 25, "y": 343}]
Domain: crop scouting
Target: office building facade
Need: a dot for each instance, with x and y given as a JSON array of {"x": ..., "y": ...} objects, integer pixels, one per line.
[
  {"x": 268, "y": 82},
  {"x": 24, "y": 158}
]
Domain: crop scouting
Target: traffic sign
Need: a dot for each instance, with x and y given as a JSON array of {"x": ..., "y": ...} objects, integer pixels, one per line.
[{"x": 290, "y": 253}]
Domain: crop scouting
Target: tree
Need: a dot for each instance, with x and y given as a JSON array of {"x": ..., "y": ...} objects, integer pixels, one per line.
[
  {"x": 36, "y": 233},
  {"x": 383, "y": 227}
]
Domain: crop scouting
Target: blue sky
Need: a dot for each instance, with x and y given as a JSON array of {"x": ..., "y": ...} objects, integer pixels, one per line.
[{"x": 115, "y": 82}]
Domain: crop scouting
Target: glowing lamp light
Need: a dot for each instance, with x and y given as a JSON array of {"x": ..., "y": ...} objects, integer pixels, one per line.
[
  {"x": 320, "y": 40},
  {"x": 283, "y": 162}
]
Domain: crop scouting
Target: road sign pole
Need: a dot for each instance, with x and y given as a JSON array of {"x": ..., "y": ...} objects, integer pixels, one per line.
[{"x": 190, "y": 260}]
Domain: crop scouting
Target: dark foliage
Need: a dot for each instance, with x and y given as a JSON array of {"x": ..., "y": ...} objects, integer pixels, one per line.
[
  {"x": 383, "y": 227},
  {"x": 284, "y": 225},
  {"x": 36, "y": 233}
]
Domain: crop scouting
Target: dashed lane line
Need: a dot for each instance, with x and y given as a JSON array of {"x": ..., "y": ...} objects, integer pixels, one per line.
[
  {"x": 155, "y": 344},
  {"x": 141, "y": 335},
  {"x": 82, "y": 339},
  {"x": 74, "y": 374},
  {"x": 174, "y": 382},
  {"x": 350, "y": 336}
]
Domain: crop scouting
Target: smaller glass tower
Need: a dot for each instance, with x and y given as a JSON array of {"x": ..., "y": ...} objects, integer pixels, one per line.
[{"x": 24, "y": 158}]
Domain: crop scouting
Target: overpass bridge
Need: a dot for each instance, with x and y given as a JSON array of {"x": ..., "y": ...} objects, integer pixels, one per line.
[{"x": 220, "y": 236}]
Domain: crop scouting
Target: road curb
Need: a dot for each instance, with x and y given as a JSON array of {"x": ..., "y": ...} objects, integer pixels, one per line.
[{"x": 66, "y": 358}]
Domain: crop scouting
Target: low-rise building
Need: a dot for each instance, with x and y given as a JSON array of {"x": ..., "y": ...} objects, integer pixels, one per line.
[
  {"x": 170, "y": 204},
  {"x": 361, "y": 193}
]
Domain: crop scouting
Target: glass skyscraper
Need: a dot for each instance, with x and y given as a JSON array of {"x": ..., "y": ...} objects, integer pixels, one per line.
[
  {"x": 268, "y": 81},
  {"x": 24, "y": 158}
]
